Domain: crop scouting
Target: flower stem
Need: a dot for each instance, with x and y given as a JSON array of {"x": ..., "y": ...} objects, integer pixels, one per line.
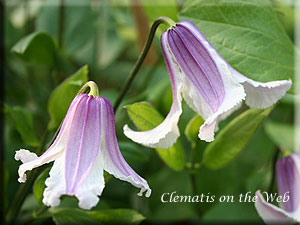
[
  {"x": 165, "y": 20},
  {"x": 94, "y": 91},
  {"x": 25, "y": 188},
  {"x": 192, "y": 172},
  {"x": 275, "y": 157}
]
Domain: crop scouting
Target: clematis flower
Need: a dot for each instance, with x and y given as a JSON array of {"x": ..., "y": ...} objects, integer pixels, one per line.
[
  {"x": 209, "y": 85},
  {"x": 85, "y": 146},
  {"x": 288, "y": 180}
]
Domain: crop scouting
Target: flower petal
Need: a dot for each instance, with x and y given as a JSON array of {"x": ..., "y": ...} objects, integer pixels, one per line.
[
  {"x": 262, "y": 95},
  {"x": 82, "y": 145},
  {"x": 30, "y": 160},
  {"x": 210, "y": 82},
  {"x": 288, "y": 178},
  {"x": 88, "y": 191},
  {"x": 113, "y": 161},
  {"x": 166, "y": 133},
  {"x": 270, "y": 213}
]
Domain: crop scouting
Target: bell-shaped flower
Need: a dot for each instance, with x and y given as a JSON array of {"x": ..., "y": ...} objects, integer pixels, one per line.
[
  {"x": 288, "y": 182},
  {"x": 209, "y": 85},
  {"x": 85, "y": 146}
]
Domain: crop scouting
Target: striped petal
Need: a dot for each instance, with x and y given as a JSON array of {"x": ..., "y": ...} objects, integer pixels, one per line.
[
  {"x": 82, "y": 144},
  {"x": 209, "y": 87},
  {"x": 87, "y": 192},
  {"x": 112, "y": 159},
  {"x": 31, "y": 160},
  {"x": 165, "y": 134},
  {"x": 270, "y": 213},
  {"x": 288, "y": 178}
]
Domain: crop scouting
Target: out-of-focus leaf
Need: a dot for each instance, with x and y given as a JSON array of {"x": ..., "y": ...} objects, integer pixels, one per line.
[
  {"x": 192, "y": 128},
  {"x": 24, "y": 124},
  {"x": 63, "y": 216},
  {"x": 286, "y": 15},
  {"x": 78, "y": 22},
  {"x": 39, "y": 185},
  {"x": 132, "y": 152},
  {"x": 146, "y": 117},
  {"x": 281, "y": 134},
  {"x": 37, "y": 47},
  {"x": 248, "y": 34},
  {"x": 157, "y": 8},
  {"x": 110, "y": 44},
  {"x": 63, "y": 95},
  {"x": 234, "y": 137}
]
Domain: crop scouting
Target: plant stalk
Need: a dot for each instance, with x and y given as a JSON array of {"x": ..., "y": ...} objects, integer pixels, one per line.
[{"x": 141, "y": 58}]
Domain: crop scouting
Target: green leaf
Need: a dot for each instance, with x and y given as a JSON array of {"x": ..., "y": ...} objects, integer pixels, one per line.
[
  {"x": 146, "y": 117},
  {"x": 109, "y": 41},
  {"x": 63, "y": 95},
  {"x": 24, "y": 124},
  {"x": 39, "y": 185},
  {"x": 112, "y": 216},
  {"x": 281, "y": 134},
  {"x": 234, "y": 137},
  {"x": 37, "y": 47},
  {"x": 192, "y": 128},
  {"x": 248, "y": 34},
  {"x": 78, "y": 23},
  {"x": 286, "y": 15},
  {"x": 157, "y": 8}
]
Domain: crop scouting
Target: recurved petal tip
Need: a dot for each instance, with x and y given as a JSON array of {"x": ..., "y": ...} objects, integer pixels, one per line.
[{"x": 270, "y": 213}]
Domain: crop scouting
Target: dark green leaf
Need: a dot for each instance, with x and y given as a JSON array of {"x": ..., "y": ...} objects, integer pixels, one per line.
[
  {"x": 37, "y": 47},
  {"x": 132, "y": 152},
  {"x": 234, "y": 137},
  {"x": 112, "y": 216},
  {"x": 281, "y": 134},
  {"x": 248, "y": 34},
  {"x": 24, "y": 124},
  {"x": 39, "y": 185},
  {"x": 146, "y": 117},
  {"x": 63, "y": 95}
]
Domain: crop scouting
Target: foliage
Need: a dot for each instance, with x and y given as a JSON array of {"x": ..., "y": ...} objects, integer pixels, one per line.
[{"x": 51, "y": 51}]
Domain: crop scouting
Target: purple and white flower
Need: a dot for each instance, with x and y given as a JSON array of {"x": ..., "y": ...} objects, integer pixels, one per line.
[
  {"x": 288, "y": 180},
  {"x": 210, "y": 86},
  {"x": 85, "y": 146}
]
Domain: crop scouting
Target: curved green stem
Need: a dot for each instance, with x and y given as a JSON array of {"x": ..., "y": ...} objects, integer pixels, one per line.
[
  {"x": 165, "y": 20},
  {"x": 92, "y": 86}
]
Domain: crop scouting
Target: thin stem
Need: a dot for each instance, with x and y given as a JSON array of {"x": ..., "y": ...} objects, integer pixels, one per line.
[
  {"x": 192, "y": 172},
  {"x": 275, "y": 157},
  {"x": 141, "y": 58},
  {"x": 25, "y": 188},
  {"x": 61, "y": 20},
  {"x": 92, "y": 86}
]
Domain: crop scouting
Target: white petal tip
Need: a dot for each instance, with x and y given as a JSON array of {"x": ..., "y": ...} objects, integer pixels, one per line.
[
  {"x": 25, "y": 156},
  {"x": 164, "y": 141},
  {"x": 147, "y": 194},
  {"x": 22, "y": 179},
  {"x": 206, "y": 138}
]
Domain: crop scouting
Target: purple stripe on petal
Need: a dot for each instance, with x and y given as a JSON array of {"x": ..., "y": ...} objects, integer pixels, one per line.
[
  {"x": 203, "y": 59},
  {"x": 190, "y": 65},
  {"x": 82, "y": 144},
  {"x": 270, "y": 213},
  {"x": 288, "y": 179},
  {"x": 112, "y": 144}
]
